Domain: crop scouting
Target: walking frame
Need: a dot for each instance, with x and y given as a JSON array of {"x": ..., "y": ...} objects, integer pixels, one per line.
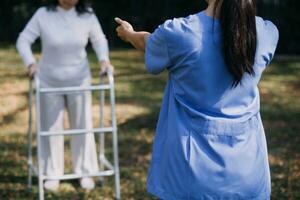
[{"x": 112, "y": 169}]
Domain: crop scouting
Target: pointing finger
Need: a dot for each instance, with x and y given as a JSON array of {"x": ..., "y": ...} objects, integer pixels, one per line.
[{"x": 118, "y": 20}]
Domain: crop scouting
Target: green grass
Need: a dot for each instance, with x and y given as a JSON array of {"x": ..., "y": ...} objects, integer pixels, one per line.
[{"x": 138, "y": 101}]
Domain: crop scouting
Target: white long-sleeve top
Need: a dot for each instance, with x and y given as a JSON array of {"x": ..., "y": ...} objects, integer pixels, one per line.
[{"x": 64, "y": 36}]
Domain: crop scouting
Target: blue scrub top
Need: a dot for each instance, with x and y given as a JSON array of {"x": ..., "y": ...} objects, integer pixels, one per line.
[{"x": 210, "y": 141}]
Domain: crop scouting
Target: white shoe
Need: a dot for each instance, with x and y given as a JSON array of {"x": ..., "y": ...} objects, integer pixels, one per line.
[
  {"x": 51, "y": 185},
  {"x": 87, "y": 183}
]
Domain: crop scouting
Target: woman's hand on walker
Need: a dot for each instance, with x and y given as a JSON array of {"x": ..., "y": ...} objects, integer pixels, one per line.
[
  {"x": 124, "y": 29},
  {"x": 105, "y": 67},
  {"x": 32, "y": 68}
]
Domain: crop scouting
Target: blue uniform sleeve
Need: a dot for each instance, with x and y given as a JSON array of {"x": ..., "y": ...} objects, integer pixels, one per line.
[
  {"x": 273, "y": 37},
  {"x": 156, "y": 56},
  {"x": 268, "y": 41}
]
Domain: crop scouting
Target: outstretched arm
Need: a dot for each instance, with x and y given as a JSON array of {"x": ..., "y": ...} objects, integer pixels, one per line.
[{"x": 126, "y": 32}]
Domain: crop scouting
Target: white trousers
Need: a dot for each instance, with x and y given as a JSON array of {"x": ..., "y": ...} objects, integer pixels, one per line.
[{"x": 83, "y": 147}]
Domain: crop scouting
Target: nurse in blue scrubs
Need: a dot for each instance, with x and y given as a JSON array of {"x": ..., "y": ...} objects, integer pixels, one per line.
[{"x": 210, "y": 141}]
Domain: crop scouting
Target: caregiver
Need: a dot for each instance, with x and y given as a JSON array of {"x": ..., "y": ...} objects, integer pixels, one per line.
[{"x": 210, "y": 141}]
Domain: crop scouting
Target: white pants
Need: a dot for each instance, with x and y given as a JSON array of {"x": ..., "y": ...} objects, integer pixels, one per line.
[{"x": 83, "y": 147}]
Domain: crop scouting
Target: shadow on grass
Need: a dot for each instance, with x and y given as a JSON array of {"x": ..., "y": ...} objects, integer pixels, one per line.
[{"x": 10, "y": 117}]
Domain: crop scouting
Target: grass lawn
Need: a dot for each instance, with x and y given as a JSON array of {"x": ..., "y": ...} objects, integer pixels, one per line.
[{"x": 138, "y": 101}]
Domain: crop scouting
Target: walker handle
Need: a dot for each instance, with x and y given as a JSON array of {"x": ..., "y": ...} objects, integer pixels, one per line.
[{"x": 109, "y": 73}]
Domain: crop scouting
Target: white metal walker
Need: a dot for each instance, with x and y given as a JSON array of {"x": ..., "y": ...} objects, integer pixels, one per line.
[{"x": 111, "y": 169}]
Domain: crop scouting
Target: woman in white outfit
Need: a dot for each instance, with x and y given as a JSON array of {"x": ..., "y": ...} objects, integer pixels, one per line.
[{"x": 65, "y": 26}]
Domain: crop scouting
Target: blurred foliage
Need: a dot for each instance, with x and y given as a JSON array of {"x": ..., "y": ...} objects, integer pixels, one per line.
[
  {"x": 149, "y": 14},
  {"x": 286, "y": 16}
]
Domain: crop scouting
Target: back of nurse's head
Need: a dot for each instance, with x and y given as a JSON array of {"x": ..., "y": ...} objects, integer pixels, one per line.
[{"x": 237, "y": 18}]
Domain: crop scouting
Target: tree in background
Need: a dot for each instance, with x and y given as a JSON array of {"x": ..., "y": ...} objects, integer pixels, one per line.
[{"x": 145, "y": 14}]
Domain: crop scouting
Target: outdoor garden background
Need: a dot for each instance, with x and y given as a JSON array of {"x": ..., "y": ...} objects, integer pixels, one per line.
[{"x": 139, "y": 96}]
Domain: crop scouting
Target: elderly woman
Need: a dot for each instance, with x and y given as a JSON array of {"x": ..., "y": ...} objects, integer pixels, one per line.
[
  {"x": 210, "y": 141},
  {"x": 65, "y": 27}
]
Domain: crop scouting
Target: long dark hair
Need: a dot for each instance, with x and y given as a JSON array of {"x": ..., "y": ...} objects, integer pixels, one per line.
[
  {"x": 83, "y": 6},
  {"x": 238, "y": 24}
]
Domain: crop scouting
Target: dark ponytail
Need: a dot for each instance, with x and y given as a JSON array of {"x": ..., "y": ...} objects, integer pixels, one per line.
[{"x": 238, "y": 24}]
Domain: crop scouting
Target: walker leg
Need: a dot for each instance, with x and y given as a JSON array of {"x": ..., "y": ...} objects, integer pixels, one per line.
[
  {"x": 29, "y": 153},
  {"x": 116, "y": 164},
  {"x": 29, "y": 180},
  {"x": 39, "y": 137},
  {"x": 40, "y": 170},
  {"x": 41, "y": 188},
  {"x": 102, "y": 135},
  {"x": 115, "y": 142},
  {"x": 102, "y": 155}
]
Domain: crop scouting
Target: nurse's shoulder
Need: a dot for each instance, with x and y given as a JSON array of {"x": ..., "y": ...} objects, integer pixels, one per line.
[
  {"x": 174, "y": 30},
  {"x": 268, "y": 29},
  {"x": 267, "y": 40}
]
